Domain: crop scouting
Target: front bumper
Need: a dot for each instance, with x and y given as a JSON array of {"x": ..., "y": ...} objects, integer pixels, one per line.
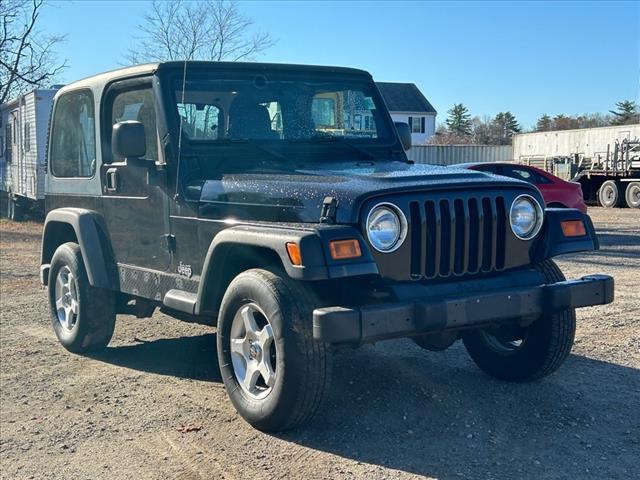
[{"x": 422, "y": 316}]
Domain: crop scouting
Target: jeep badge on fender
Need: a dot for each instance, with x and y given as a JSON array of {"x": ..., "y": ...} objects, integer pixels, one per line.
[{"x": 277, "y": 203}]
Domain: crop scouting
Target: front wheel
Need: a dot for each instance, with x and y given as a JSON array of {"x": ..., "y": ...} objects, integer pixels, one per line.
[
  {"x": 274, "y": 372},
  {"x": 83, "y": 317},
  {"x": 521, "y": 354}
]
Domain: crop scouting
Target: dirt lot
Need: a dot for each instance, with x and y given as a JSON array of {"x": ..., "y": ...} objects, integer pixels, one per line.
[{"x": 394, "y": 410}]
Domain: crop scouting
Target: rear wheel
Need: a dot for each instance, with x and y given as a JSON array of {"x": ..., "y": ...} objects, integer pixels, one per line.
[
  {"x": 83, "y": 317},
  {"x": 274, "y": 372},
  {"x": 632, "y": 195},
  {"x": 609, "y": 194},
  {"x": 520, "y": 354}
]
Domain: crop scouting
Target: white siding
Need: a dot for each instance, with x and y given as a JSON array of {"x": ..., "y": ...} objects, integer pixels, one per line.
[
  {"x": 24, "y": 174},
  {"x": 429, "y": 125}
]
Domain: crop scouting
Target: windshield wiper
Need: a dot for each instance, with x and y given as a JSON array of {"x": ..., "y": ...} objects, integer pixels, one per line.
[
  {"x": 254, "y": 144},
  {"x": 338, "y": 140}
]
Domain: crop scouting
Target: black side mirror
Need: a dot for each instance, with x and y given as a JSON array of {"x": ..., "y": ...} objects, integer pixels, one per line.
[
  {"x": 128, "y": 140},
  {"x": 404, "y": 133}
]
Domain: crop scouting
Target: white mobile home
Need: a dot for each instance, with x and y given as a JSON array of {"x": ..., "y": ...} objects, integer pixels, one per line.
[{"x": 23, "y": 135}]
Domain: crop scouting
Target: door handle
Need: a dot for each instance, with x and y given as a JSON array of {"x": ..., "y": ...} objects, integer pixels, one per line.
[{"x": 112, "y": 180}]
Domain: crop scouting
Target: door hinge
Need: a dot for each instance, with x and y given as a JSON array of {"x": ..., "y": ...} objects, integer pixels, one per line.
[
  {"x": 171, "y": 242},
  {"x": 329, "y": 208}
]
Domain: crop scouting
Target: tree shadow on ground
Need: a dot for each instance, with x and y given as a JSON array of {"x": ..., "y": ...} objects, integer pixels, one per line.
[{"x": 436, "y": 414}]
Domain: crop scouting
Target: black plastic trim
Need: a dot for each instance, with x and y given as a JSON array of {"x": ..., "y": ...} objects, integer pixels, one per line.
[
  {"x": 314, "y": 247},
  {"x": 86, "y": 224},
  {"x": 418, "y": 316},
  {"x": 554, "y": 243}
]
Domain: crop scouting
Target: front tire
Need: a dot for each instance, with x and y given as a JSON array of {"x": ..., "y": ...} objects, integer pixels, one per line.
[
  {"x": 525, "y": 353},
  {"x": 83, "y": 317},
  {"x": 275, "y": 373}
]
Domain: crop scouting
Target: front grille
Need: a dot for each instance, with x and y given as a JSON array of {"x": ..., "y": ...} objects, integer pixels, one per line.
[{"x": 457, "y": 236}]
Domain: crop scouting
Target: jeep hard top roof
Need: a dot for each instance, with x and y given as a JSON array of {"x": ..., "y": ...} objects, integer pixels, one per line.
[{"x": 98, "y": 82}]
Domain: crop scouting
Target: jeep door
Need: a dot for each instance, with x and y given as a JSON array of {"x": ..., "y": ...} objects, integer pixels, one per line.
[{"x": 135, "y": 202}]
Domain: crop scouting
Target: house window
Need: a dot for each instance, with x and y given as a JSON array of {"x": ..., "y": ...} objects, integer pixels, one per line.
[
  {"x": 416, "y": 124},
  {"x": 27, "y": 137}
]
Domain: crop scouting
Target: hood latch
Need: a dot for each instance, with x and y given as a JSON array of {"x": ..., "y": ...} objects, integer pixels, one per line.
[{"x": 329, "y": 208}]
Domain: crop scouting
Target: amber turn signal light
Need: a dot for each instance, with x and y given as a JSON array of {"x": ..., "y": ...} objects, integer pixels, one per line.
[
  {"x": 345, "y": 249},
  {"x": 573, "y": 228},
  {"x": 293, "y": 249}
]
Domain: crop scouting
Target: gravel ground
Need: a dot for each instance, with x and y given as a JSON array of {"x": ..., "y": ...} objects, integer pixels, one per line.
[{"x": 153, "y": 405}]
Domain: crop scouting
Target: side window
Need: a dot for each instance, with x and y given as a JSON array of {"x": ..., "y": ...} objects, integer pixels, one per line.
[
  {"x": 73, "y": 136},
  {"x": 138, "y": 105},
  {"x": 27, "y": 137},
  {"x": 417, "y": 124},
  {"x": 539, "y": 179},
  {"x": 527, "y": 175}
]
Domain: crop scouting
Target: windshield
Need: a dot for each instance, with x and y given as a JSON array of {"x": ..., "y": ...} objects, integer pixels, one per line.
[{"x": 281, "y": 110}]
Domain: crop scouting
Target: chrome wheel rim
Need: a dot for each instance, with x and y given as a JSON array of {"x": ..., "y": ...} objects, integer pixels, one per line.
[
  {"x": 501, "y": 345},
  {"x": 66, "y": 295},
  {"x": 253, "y": 351},
  {"x": 609, "y": 194},
  {"x": 634, "y": 194}
]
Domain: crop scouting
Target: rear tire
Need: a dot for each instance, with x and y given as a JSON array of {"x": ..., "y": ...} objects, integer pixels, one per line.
[
  {"x": 83, "y": 317},
  {"x": 632, "y": 195},
  {"x": 609, "y": 194},
  {"x": 260, "y": 304},
  {"x": 544, "y": 345}
]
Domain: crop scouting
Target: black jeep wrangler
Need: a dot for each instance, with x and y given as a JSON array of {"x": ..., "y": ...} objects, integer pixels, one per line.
[{"x": 277, "y": 202}]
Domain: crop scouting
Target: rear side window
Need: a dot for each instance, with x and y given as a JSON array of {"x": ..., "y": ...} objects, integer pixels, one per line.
[{"x": 73, "y": 136}]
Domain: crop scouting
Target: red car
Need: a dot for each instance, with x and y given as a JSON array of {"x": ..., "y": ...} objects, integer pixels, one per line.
[{"x": 555, "y": 191}]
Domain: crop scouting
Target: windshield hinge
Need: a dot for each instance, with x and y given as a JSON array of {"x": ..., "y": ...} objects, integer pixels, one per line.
[
  {"x": 170, "y": 242},
  {"x": 329, "y": 208}
]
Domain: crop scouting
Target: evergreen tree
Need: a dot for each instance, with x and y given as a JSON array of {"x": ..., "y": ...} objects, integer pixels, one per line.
[
  {"x": 626, "y": 112},
  {"x": 505, "y": 125},
  {"x": 459, "y": 120},
  {"x": 544, "y": 123}
]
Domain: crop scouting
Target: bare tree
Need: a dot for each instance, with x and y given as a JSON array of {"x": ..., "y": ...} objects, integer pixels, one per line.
[
  {"x": 27, "y": 56},
  {"x": 205, "y": 30}
]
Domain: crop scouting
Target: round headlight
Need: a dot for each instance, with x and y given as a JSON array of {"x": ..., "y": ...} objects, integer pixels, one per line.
[
  {"x": 525, "y": 217},
  {"x": 386, "y": 227}
]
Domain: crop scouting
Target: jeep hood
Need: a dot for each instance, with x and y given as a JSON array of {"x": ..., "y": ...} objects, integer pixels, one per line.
[{"x": 296, "y": 195}]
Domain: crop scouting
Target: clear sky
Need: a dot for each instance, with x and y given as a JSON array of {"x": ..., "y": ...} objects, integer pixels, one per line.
[{"x": 530, "y": 58}]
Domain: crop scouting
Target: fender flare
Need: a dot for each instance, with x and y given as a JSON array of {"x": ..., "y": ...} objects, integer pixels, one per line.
[
  {"x": 553, "y": 242},
  {"x": 314, "y": 248},
  {"x": 89, "y": 230}
]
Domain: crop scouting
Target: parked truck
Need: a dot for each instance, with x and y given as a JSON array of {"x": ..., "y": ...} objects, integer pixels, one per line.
[
  {"x": 614, "y": 178},
  {"x": 605, "y": 161},
  {"x": 23, "y": 137}
]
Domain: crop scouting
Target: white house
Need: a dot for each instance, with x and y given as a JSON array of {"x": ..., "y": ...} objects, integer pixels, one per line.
[{"x": 406, "y": 103}]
